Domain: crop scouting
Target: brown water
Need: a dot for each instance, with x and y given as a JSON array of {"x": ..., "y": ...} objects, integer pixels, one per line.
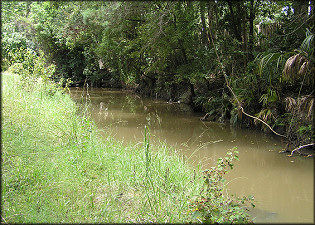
[{"x": 283, "y": 186}]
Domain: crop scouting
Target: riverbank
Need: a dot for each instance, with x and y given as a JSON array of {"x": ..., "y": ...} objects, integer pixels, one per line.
[
  {"x": 295, "y": 130},
  {"x": 55, "y": 168}
]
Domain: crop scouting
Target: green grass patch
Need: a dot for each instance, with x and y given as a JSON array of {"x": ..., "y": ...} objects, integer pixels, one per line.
[{"x": 56, "y": 168}]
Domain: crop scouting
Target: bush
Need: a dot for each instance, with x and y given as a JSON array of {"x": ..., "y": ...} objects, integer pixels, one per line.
[
  {"x": 212, "y": 206},
  {"x": 33, "y": 69}
]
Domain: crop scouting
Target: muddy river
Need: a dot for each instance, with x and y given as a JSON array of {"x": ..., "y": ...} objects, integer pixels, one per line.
[{"x": 283, "y": 186}]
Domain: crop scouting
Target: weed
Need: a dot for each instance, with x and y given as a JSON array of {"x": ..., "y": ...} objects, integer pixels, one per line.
[{"x": 212, "y": 206}]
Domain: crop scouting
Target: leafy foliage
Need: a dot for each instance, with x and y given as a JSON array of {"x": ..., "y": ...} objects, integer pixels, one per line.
[{"x": 213, "y": 206}]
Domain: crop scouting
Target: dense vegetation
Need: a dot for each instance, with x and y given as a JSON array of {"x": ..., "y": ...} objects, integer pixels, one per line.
[{"x": 188, "y": 51}]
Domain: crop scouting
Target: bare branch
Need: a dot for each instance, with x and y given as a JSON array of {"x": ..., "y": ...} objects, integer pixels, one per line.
[{"x": 300, "y": 147}]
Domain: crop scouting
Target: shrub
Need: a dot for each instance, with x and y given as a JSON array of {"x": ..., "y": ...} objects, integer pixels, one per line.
[{"x": 212, "y": 206}]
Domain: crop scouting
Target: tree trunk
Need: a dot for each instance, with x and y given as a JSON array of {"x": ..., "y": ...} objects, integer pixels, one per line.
[
  {"x": 235, "y": 20},
  {"x": 203, "y": 23},
  {"x": 251, "y": 30},
  {"x": 243, "y": 12},
  {"x": 210, "y": 19},
  {"x": 180, "y": 43}
]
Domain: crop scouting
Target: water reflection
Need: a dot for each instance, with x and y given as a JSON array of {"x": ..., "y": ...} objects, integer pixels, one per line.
[{"x": 283, "y": 186}]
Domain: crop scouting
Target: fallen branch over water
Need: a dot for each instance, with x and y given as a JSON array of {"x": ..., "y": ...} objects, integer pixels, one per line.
[
  {"x": 254, "y": 117},
  {"x": 300, "y": 147}
]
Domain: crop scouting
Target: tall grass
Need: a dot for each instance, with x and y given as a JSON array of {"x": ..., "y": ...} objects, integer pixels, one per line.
[{"x": 56, "y": 168}]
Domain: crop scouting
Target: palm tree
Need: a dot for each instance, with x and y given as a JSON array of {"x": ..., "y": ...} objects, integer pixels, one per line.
[{"x": 301, "y": 64}]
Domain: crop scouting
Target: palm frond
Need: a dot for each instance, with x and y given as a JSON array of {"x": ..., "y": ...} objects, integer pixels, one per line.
[
  {"x": 310, "y": 109},
  {"x": 306, "y": 105},
  {"x": 307, "y": 44},
  {"x": 303, "y": 68},
  {"x": 265, "y": 115},
  {"x": 266, "y": 58},
  {"x": 293, "y": 66},
  {"x": 299, "y": 65},
  {"x": 302, "y": 106},
  {"x": 290, "y": 104}
]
